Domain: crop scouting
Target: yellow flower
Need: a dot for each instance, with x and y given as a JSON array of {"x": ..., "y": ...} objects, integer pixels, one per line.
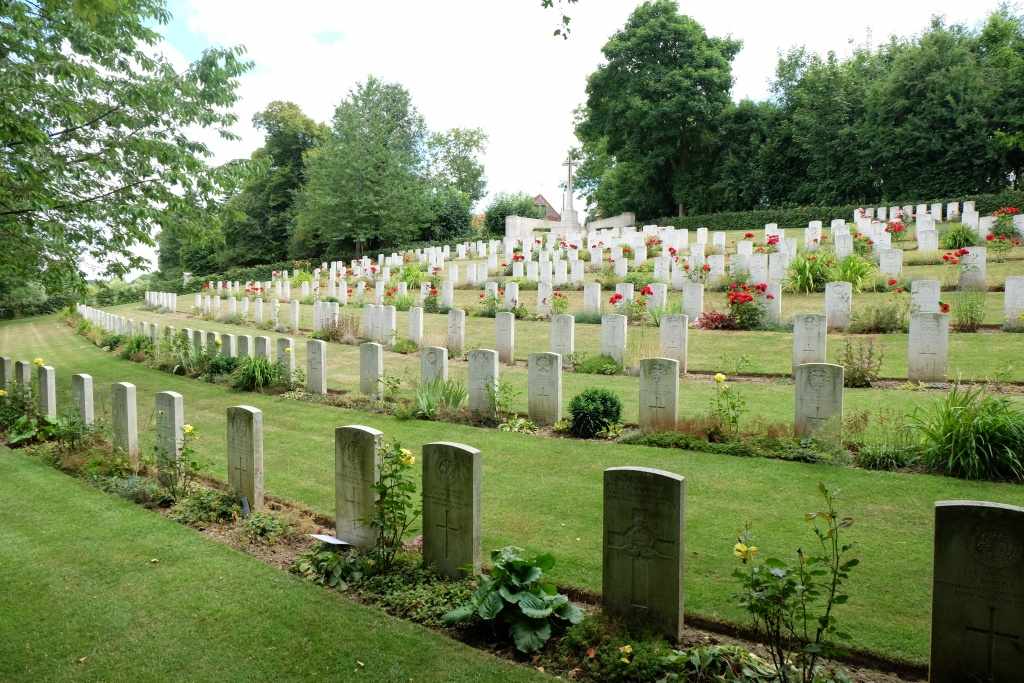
[
  {"x": 744, "y": 552},
  {"x": 719, "y": 378},
  {"x": 218, "y": 342},
  {"x": 3, "y": 392},
  {"x": 626, "y": 649},
  {"x": 187, "y": 429},
  {"x": 38, "y": 362},
  {"x": 288, "y": 349},
  {"x": 406, "y": 457}
]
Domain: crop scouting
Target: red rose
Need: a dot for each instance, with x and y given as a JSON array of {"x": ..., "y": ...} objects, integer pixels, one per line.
[
  {"x": 892, "y": 281},
  {"x": 748, "y": 235},
  {"x": 706, "y": 267},
  {"x": 647, "y": 290},
  {"x": 943, "y": 307}
]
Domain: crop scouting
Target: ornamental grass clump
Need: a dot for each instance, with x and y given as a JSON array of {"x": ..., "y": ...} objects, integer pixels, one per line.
[{"x": 972, "y": 435}]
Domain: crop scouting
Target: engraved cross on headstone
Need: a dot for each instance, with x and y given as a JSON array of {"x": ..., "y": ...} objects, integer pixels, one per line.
[
  {"x": 991, "y": 633},
  {"x": 446, "y": 527}
]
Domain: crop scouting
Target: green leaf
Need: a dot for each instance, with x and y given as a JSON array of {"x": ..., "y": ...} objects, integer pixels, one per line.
[
  {"x": 530, "y": 635},
  {"x": 534, "y": 606},
  {"x": 545, "y": 561},
  {"x": 461, "y": 613},
  {"x": 491, "y": 606},
  {"x": 509, "y": 595},
  {"x": 570, "y": 613}
]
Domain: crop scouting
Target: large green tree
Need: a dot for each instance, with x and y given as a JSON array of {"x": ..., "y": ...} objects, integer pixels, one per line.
[
  {"x": 97, "y": 132},
  {"x": 656, "y": 103},
  {"x": 259, "y": 220},
  {"x": 368, "y": 184}
]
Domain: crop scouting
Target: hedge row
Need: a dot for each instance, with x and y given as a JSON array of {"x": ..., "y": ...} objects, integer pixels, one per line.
[{"x": 800, "y": 216}]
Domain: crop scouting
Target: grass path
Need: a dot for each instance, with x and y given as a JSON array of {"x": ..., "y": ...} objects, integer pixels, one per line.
[
  {"x": 545, "y": 494},
  {"x": 98, "y": 589}
]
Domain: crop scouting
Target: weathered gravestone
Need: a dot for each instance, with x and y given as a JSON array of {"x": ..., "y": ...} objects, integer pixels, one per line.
[
  {"x": 1013, "y": 303},
  {"x": 47, "y": 398},
  {"x": 23, "y": 374},
  {"x": 973, "y": 269},
  {"x": 977, "y": 593},
  {"x": 505, "y": 337},
  {"x": 693, "y": 300},
  {"x": 124, "y": 419},
  {"x": 674, "y": 335},
  {"x": 245, "y": 454},
  {"x": 928, "y": 347},
  {"x": 643, "y": 551},
  {"x": 433, "y": 364},
  {"x": 357, "y": 459},
  {"x": 170, "y": 419},
  {"x": 809, "y": 339},
  {"x": 563, "y": 335},
  {"x": 456, "y": 332},
  {"x": 924, "y": 296},
  {"x": 262, "y": 348},
  {"x": 416, "y": 325},
  {"x": 246, "y": 346},
  {"x": 544, "y": 388},
  {"x": 371, "y": 369},
  {"x": 483, "y": 380},
  {"x": 838, "y": 305},
  {"x": 6, "y": 373},
  {"x": 659, "y": 393},
  {"x": 819, "y": 396},
  {"x": 81, "y": 393},
  {"x": 316, "y": 366},
  {"x": 613, "y": 336},
  {"x": 451, "y": 508},
  {"x": 286, "y": 354}
]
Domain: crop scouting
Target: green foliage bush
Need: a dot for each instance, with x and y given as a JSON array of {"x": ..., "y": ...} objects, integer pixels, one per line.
[
  {"x": 958, "y": 236},
  {"x": 503, "y": 205},
  {"x": 861, "y": 361},
  {"x": 972, "y": 435},
  {"x": 593, "y": 412},
  {"x": 968, "y": 311},
  {"x": 881, "y": 318},
  {"x": 809, "y": 272},
  {"x": 596, "y": 365},
  {"x": 856, "y": 270},
  {"x": 263, "y": 527},
  {"x": 206, "y": 506},
  {"x": 439, "y": 395},
  {"x": 516, "y": 596},
  {"x": 256, "y": 374}
]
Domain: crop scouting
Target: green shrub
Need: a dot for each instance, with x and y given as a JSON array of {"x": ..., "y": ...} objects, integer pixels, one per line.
[
  {"x": 972, "y": 435},
  {"x": 596, "y": 365},
  {"x": 439, "y": 395},
  {"x": 968, "y": 311},
  {"x": 221, "y": 365},
  {"x": 206, "y": 506},
  {"x": 503, "y": 205},
  {"x": 139, "y": 490},
  {"x": 332, "y": 567},
  {"x": 516, "y": 596},
  {"x": 958, "y": 236},
  {"x": 587, "y": 318},
  {"x": 856, "y": 270},
  {"x": 255, "y": 374},
  {"x": 809, "y": 272},
  {"x": 881, "y": 318},
  {"x": 593, "y": 412},
  {"x": 136, "y": 347},
  {"x": 263, "y": 527},
  {"x": 405, "y": 346},
  {"x": 861, "y": 361}
]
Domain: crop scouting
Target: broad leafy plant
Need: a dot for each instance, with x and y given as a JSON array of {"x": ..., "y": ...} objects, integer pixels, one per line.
[{"x": 516, "y": 595}]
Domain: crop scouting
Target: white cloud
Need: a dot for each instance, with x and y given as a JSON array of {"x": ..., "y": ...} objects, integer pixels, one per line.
[{"x": 495, "y": 65}]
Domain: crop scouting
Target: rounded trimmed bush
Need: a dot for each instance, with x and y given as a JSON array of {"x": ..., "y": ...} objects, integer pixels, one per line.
[{"x": 593, "y": 411}]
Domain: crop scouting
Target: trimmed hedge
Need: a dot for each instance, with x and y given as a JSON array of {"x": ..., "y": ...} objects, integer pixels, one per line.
[{"x": 800, "y": 216}]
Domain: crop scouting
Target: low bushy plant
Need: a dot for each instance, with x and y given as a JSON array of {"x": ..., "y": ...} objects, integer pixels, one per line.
[
  {"x": 596, "y": 365},
  {"x": 971, "y": 434},
  {"x": 861, "y": 361},
  {"x": 968, "y": 311},
  {"x": 405, "y": 346},
  {"x": 958, "y": 236},
  {"x": 855, "y": 269},
  {"x": 593, "y": 412},
  {"x": 206, "y": 506},
  {"x": 439, "y": 395},
  {"x": 889, "y": 315},
  {"x": 516, "y": 596},
  {"x": 256, "y": 374},
  {"x": 263, "y": 527},
  {"x": 809, "y": 272}
]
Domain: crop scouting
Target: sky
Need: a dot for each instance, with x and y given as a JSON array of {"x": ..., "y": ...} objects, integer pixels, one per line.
[{"x": 494, "y": 64}]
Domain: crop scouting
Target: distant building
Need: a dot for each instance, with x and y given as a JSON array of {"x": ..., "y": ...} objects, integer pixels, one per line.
[{"x": 549, "y": 211}]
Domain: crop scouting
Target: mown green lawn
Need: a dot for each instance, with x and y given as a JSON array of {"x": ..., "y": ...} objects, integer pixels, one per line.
[
  {"x": 545, "y": 494},
  {"x": 98, "y": 589}
]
